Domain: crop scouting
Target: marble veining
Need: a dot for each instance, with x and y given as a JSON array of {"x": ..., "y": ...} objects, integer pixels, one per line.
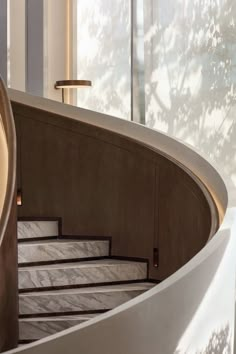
[
  {"x": 58, "y": 250},
  {"x": 37, "y": 328},
  {"x": 81, "y": 273},
  {"x": 77, "y": 300},
  {"x": 30, "y": 229},
  {"x": 143, "y": 286}
]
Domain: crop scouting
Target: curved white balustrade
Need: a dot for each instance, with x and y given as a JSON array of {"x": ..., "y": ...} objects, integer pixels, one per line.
[{"x": 192, "y": 310}]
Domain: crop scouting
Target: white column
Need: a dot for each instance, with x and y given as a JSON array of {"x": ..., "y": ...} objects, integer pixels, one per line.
[
  {"x": 17, "y": 45},
  {"x": 35, "y": 47},
  {"x": 57, "y": 46}
]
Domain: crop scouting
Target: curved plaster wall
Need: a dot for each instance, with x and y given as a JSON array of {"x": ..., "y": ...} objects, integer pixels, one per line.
[{"x": 192, "y": 311}]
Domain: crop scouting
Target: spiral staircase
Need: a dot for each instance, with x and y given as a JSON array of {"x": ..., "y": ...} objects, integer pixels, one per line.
[
  {"x": 64, "y": 282},
  {"x": 161, "y": 211}
]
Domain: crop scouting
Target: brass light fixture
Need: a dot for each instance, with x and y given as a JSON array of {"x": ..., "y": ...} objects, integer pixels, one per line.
[
  {"x": 155, "y": 257},
  {"x": 19, "y": 197},
  {"x": 69, "y": 84}
]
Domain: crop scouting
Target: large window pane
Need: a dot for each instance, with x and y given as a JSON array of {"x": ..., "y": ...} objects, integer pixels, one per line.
[
  {"x": 103, "y": 55},
  {"x": 190, "y": 70}
]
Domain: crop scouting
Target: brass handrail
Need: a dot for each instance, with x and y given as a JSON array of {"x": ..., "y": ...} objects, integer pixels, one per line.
[{"x": 10, "y": 134}]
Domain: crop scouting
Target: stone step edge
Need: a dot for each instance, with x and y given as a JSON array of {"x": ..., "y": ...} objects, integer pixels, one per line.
[
  {"x": 23, "y": 265},
  {"x": 88, "y": 285},
  {"x": 57, "y": 221},
  {"x": 63, "y": 317},
  {"x": 61, "y": 313},
  {"x": 73, "y": 260},
  {"x": 60, "y": 241},
  {"x": 65, "y": 238},
  {"x": 127, "y": 286},
  {"x": 84, "y": 259}
]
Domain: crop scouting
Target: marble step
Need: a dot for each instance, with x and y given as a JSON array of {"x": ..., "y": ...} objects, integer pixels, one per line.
[
  {"x": 43, "y": 251},
  {"x": 79, "y": 300},
  {"x": 81, "y": 273},
  {"x": 33, "y": 229},
  {"x": 38, "y": 327}
]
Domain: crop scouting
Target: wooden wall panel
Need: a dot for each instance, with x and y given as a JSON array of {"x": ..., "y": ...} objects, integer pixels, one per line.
[
  {"x": 103, "y": 184},
  {"x": 184, "y": 218}
]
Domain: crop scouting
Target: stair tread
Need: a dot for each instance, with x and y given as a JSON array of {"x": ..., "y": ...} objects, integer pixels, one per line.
[
  {"x": 37, "y": 228},
  {"x": 80, "y": 273},
  {"x": 82, "y": 264},
  {"x": 56, "y": 250},
  {"x": 60, "y": 241},
  {"x": 34, "y": 328},
  {"x": 95, "y": 289},
  {"x": 59, "y": 318},
  {"x": 51, "y": 289}
]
